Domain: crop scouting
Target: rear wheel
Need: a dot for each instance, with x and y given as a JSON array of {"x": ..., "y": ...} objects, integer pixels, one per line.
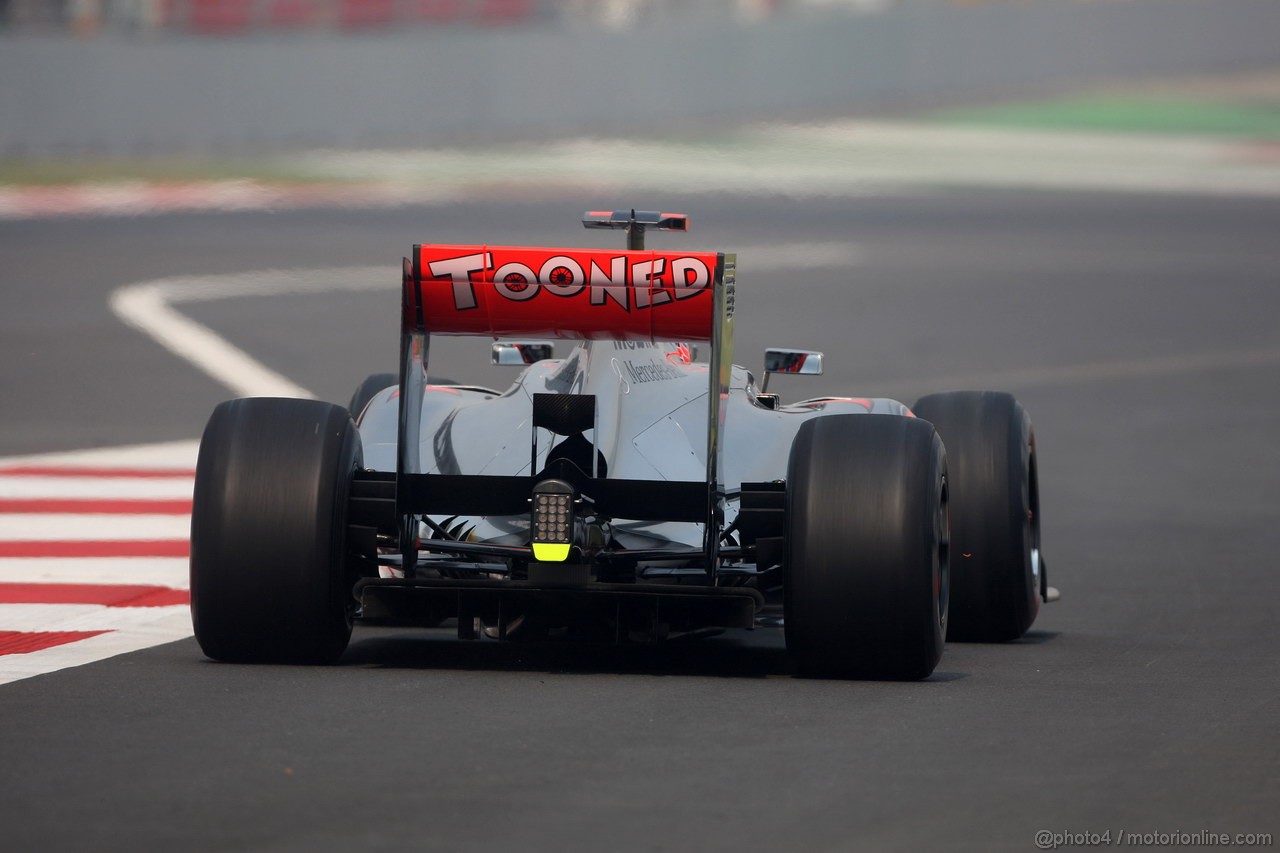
[
  {"x": 376, "y": 382},
  {"x": 866, "y": 578},
  {"x": 368, "y": 389},
  {"x": 995, "y": 512},
  {"x": 269, "y": 569}
]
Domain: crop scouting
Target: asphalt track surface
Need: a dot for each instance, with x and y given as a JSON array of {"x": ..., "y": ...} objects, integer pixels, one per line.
[{"x": 1140, "y": 332}]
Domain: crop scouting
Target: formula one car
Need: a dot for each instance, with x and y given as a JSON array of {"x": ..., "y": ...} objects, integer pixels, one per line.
[{"x": 626, "y": 492}]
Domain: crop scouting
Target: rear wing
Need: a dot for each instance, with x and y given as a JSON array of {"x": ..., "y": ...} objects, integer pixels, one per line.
[{"x": 576, "y": 294}]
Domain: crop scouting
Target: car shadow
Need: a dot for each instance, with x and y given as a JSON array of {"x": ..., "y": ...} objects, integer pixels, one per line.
[
  {"x": 1035, "y": 638},
  {"x": 727, "y": 655},
  {"x": 721, "y": 656},
  {"x": 1031, "y": 638}
]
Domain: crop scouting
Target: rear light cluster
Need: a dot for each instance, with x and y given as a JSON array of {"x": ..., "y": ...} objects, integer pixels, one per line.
[
  {"x": 552, "y": 516},
  {"x": 552, "y": 521}
]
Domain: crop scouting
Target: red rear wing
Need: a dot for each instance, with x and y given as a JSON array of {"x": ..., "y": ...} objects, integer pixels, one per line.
[{"x": 582, "y": 294}]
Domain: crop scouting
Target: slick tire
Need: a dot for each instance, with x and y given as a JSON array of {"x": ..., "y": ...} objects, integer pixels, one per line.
[
  {"x": 866, "y": 574},
  {"x": 995, "y": 512},
  {"x": 269, "y": 572}
]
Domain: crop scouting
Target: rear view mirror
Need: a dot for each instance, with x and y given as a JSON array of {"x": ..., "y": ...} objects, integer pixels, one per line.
[
  {"x": 806, "y": 362},
  {"x": 521, "y": 353},
  {"x": 793, "y": 361}
]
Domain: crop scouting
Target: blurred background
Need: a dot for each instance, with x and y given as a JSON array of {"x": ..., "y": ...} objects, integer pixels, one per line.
[
  {"x": 1074, "y": 200},
  {"x": 852, "y": 129},
  {"x": 755, "y": 116},
  {"x": 106, "y": 81}
]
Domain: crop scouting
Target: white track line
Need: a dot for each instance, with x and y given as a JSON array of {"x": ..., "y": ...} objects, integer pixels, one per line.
[
  {"x": 93, "y": 487},
  {"x": 149, "y": 307},
  {"x": 83, "y": 617},
  {"x": 147, "y": 571},
  {"x": 145, "y": 308},
  {"x": 165, "y": 625}
]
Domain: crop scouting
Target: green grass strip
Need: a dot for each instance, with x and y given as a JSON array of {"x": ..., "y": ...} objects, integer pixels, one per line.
[{"x": 1127, "y": 115}]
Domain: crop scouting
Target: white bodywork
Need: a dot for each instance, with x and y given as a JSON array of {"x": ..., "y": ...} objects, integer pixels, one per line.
[{"x": 651, "y": 411}]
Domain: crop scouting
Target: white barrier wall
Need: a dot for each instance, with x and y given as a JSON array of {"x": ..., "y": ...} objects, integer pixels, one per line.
[{"x": 125, "y": 96}]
